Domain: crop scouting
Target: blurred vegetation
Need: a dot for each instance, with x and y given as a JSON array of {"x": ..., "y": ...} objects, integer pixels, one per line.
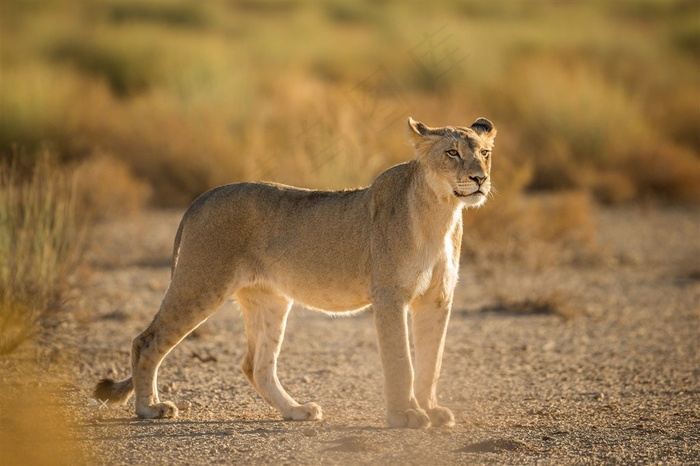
[
  {"x": 599, "y": 96},
  {"x": 163, "y": 100},
  {"x": 34, "y": 429}
]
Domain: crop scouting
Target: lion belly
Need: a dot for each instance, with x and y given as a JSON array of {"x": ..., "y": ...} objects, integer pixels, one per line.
[{"x": 325, "y": 293}]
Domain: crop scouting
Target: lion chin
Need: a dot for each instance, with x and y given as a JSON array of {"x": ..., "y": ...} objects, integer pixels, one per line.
[{"x": 475, "y": 199}]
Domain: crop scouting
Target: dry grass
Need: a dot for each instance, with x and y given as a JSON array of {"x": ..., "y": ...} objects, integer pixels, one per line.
[
  {"x": 45, "y": 214},
  {"x": 537, "y": 230},
  {"x": 106, "y": 188},
  {"x": 669, "y": 172},
  {"x": 40, "y": 241}
]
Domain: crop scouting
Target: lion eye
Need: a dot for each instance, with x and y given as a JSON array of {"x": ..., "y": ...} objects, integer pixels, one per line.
[
  {"x": 452, "y": 153},
  {"x": 485, "y": 153}
]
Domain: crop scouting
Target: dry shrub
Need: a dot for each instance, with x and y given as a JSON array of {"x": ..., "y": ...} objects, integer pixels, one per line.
[
  {"x": 571, "y": 120},
  {"x": 176, "y": 14},
  {"x": 181, "y": 153},
  {"x": 612, "y": 187},
  {"x": 34, "y": 108},
  {"x": 538, "y": 229},
  {"x": 41, "y": 235},
  {"x": 583, "y": 130},
  {"x": 127, "y": 71},
  {"x": 106, "y": 188},
  {"x": 665, "y": 171},
  {"x": 308, "y": 133},
  {"x": 565, "y": 217},
  {"x": 679, "y": 114},
  {"x": 542, "y": 229},
  {"x": 556, "y": 167}
]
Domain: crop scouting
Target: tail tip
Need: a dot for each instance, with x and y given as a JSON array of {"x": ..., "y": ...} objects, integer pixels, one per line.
[{"x": 104, "y": 390}]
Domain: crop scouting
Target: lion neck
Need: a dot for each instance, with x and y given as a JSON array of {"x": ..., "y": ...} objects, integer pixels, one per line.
[{"x": 434, "y": 211}]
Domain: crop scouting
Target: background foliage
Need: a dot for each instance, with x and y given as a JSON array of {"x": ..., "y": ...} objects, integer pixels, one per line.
[{"x": 187, "y": 95}]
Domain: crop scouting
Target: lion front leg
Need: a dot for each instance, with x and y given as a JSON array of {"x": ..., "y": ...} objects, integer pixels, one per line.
[
  {"x": 392, "y": 335},
  {"x": 430, "y": 316}
]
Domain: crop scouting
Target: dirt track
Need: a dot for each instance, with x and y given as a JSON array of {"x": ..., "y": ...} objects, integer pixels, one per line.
[{"x": 604, "y": 368}]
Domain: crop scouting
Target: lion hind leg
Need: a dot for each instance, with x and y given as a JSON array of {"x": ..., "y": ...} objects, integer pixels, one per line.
[
  {"x": 184, "y": 308},
  {"x": 265, "y": 314}
]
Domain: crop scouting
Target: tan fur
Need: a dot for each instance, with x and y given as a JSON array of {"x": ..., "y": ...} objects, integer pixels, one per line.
[{"x": 394, "y": 245}]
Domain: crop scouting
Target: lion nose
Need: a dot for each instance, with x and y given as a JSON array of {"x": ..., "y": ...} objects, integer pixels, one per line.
[{"x": 478, "y": 179}]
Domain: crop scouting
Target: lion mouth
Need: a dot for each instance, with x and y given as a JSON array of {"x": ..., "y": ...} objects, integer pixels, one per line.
[{"x": 475, "y": 193}]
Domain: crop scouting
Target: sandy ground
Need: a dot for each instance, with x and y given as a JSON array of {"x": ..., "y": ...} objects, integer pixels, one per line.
[{"x": 594, "y": 362}]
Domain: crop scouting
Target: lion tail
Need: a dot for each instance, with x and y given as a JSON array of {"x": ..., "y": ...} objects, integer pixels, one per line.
[{"x": 116, "y": 393}]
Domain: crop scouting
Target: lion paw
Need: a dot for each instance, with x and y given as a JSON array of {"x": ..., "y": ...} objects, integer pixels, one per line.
[
  {"x": 411, "y": 418},
  {"x": 163, "y": 410},
  {"x": 440, "y": 416},
  {"x": 305, "y": 412}
]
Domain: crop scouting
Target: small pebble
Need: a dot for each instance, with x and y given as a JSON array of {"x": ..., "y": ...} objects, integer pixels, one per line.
[{"x": 184, "y": 406}]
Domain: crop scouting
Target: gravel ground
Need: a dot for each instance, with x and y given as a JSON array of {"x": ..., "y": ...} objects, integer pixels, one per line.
[{"x": 595, "y": 362}]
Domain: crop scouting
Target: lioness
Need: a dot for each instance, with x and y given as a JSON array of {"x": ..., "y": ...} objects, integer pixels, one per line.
[{"x": 393, "y": 245}]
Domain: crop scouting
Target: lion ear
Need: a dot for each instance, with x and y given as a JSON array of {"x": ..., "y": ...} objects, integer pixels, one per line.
[
  {"x": 485, "y": 129},
  {"x": 417, "y": 131},
  {"x": 417, "y": 127}
]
